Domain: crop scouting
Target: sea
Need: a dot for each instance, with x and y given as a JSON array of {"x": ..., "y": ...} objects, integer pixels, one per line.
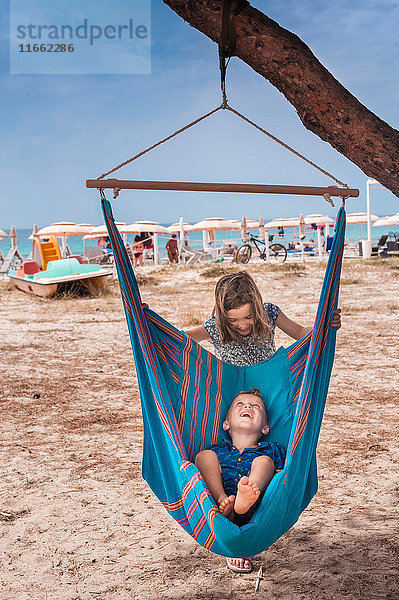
[{"x": 354, "y": 233}]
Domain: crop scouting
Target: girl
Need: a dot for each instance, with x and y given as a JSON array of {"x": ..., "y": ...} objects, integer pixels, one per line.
[{"x": 242, "y": 326}]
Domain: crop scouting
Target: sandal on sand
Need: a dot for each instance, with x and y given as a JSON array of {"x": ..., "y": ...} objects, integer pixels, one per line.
[{"x": 236, "y": 569}]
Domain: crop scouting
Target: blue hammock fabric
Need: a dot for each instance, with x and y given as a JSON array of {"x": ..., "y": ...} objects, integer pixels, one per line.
[{"x": 185, "y": 392}]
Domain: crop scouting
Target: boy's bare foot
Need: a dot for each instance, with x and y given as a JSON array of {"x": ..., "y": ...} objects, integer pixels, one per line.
[
  {"x": 226, "y": 506},
  {"x": 247, "y": 495}
]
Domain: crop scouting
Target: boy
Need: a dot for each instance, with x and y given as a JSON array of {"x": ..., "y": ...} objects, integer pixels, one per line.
[{"x": 237, "y": 472}]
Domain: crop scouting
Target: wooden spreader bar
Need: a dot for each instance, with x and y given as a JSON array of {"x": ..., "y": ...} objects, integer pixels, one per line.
[{"x": 241, "y": 188}]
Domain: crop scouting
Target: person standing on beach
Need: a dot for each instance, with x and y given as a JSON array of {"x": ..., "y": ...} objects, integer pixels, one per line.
[
  {"x": 172, "y": 249},
  {"x": 138, "y": 249}
]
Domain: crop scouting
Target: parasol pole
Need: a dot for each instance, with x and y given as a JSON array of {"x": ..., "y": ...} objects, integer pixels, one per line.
[
  {"x": 370, "y": 182},
  {"x": 181, "y": 236},
  {"x": 156, "y": 250}
]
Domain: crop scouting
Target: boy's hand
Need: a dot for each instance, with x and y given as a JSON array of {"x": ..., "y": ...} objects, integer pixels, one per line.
[{"x": 336, "y": 318}]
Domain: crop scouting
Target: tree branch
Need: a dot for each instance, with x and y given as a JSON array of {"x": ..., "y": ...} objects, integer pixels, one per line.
[{"x": 324, "y": 106}]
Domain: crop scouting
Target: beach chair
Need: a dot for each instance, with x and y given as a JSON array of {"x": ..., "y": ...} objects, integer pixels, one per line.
[
  {"x": 375, "y": 250},
  {"x": 189, "y": 256},
  {"x": 95, "y": 255}
]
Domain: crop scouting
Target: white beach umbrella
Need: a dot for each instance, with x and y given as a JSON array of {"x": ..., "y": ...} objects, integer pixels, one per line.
[
  {"x": 244, "y": 236},
  {"x": 354, "y": 218},
  {"x": 387, "y": 221},
  {"x": 149, "y": 227},
  {"x": 302, "y": 225},
  {"x": 102, "y": 231},
  {"x": 146, "y": 227},
  {"x": 262, "y": 233},
  {"x": 215, "y": 224},
  {"x": 212, "y": 224},
  {"x": 359, "y": 219},
  {"x": 3, "y": 234},
  {"x": 63, "y": 230},
  {"x": 318, "y": 219},
  {"x": 282, "y": 222},
  {"x": 250, "y": 223},
  {"x": 175, "y": 227},
  {"x": 13, "y": 237}
]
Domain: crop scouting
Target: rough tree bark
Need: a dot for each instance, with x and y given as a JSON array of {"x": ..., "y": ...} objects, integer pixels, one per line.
[{"x": 324, "y": 106}]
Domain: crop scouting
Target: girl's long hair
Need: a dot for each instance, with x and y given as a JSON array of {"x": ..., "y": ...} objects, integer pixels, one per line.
[{"x": 235, "y": 290}]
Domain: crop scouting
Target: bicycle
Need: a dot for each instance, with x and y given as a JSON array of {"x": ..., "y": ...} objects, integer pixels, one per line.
[{"x": 277, "y": 252}]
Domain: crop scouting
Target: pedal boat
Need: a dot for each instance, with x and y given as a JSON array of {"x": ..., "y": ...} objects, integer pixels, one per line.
[{"x": 64, "y": 275}]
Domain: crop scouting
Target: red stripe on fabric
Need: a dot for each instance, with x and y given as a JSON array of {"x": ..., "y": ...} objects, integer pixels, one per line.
[
  {"x": 176, "y": 377},
  {"x": 169, "y": 353},
  {"x": 218, "y": 402},
  {"x": 159, "y": 351},
  {"x": 199, "y": 527},
  {"x": 165, "y": 327},
  {"x": 186, "y": 382},
  {"x": 300, "y": 430},
  {"x": 207, "y": 397},
  {"x": 194, "y": 407},
  {"x": 300, "y": 344}
]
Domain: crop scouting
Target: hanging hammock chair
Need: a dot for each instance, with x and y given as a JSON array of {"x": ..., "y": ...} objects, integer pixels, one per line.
[{"x": 185, "y": 392}]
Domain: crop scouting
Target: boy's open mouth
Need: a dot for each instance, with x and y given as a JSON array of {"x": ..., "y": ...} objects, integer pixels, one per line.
[{"x": 246, "y": 414}]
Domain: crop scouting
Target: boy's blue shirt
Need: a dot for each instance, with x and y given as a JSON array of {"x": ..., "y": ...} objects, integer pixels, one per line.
[{"x": 235, "y": 465}]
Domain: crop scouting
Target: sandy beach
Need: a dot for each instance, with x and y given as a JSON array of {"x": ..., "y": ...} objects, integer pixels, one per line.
[{"x": 77, "y": 520}]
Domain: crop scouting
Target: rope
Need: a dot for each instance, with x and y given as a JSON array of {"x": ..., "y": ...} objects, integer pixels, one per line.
[
  {"x": 225, "y": 106},
  {"x": 161, "y": 142},
  {"x": 286, "y": 146}
]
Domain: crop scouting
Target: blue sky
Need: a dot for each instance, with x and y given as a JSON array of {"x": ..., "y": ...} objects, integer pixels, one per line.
[{"x": 59, "y": 130}]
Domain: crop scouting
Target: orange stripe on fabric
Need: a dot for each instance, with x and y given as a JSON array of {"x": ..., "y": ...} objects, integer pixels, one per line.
[
  {"x": 218, "y": 402},
  {"x": 186, "y": 382}
]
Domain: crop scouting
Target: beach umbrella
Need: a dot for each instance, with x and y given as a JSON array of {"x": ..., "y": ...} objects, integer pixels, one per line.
[
  {"x": 3, "y": 234},
  {"x": 149, "y": 227},
  {"x": 63, "y": 230},
  {"x": 13, "y": 237},
  {"x": 302, "y": 226},
  {"x": 354, "y": 218},
  {"x": 387, "y": 221},
  {"x": 102, "y": 231},
  {"x": 320, "y": 220},
  {"x": 359, "y": 218},
  {"x": 244, "y": 236},
  {"x": 262, "y": 233},
  {"x": 175, "y": 227},
  {"x": 146, "y": 226},
  {"x": 251, "y": 224},
  {"x": 282, "y": 222},
  {"x": 215, "y": 224}
]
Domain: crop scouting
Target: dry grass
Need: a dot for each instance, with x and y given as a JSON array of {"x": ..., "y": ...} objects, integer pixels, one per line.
[
  {"x": 218, "y": 270},
  {"x": 189, "y": 317},
  {"x": 350, "y": 280},
  {"x": 286, "y": 268},
  {"x": 145, "y": 280}
]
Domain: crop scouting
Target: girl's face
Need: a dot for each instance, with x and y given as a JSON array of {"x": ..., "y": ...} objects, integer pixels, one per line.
[{"x": 241, "y": 319}]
